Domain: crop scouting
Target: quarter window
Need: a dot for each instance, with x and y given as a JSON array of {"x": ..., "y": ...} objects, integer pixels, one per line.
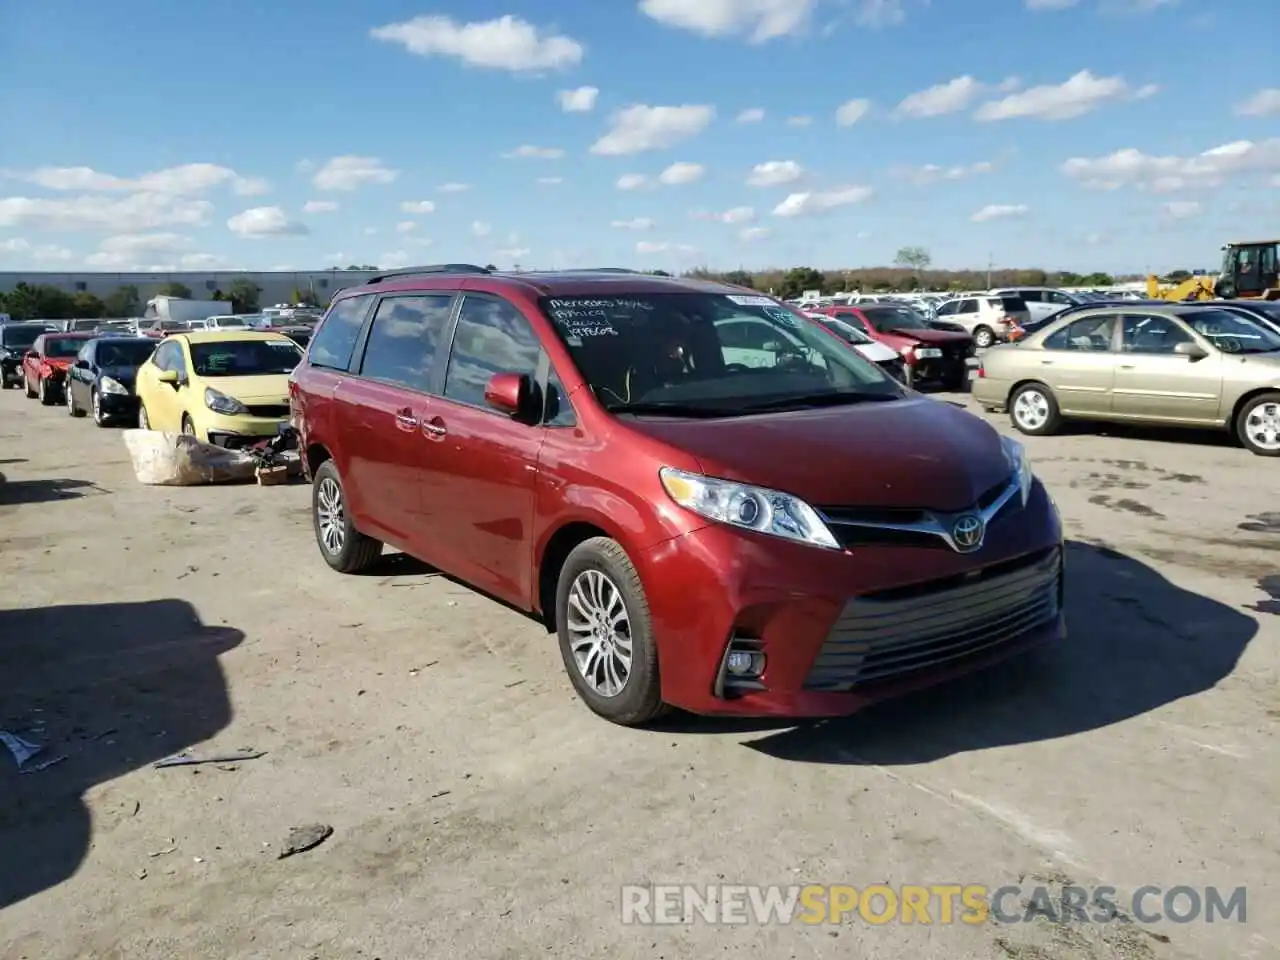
[
  {"x": 967, "y": 306},
  {"x": 335, "y": 341},
  {"x": 557, "y": 411},
  {"x": 492, "y": 337},
  {"x": 404, "y": 339},
  {"x": 1090, "y": 334},
  {"x": 1143, "y": 333},
  {"x": 166, "y": 357}
]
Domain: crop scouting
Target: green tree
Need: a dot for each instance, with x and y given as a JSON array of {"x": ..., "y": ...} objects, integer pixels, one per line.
[
  {"x": 1177, "y": 276},
  {"x": 657, "y": 273},
  {"x": 38, "y": 302},
  {"x": 799, "y": 279},
  {"x": 124, "y": 302},
  {"x": 88, "y": 306},
  {"x": 219, "y": 296},
  {"x": 1068, "y": 279},
  {"x": 907, "y": 284},
  {"x": 490, "y": 267},
  {"x": 174, "y": 289},
  {"x": 915, "y": 259},
  {"x": 304, "y": 298},
  {"x": 1098, "y": 280},
  {"x": 244, "y": 295},
  {"x": 740, "y": 278}
]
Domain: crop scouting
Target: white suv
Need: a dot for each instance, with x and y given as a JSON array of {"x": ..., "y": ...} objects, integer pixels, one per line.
[{"x": 989, "y": 318}]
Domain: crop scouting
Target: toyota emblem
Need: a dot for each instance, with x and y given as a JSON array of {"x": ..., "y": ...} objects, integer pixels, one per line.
[{"x": 967, "y": 533}]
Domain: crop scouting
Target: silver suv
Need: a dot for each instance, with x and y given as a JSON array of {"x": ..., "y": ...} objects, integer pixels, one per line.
[{"x": 989, "y": 318}]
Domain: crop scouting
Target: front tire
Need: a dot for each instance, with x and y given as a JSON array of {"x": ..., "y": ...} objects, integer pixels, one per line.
[
  {"x": 46, "y": 395},
  {"x": 26, "y": 386},
  {"x": 1034, "y": 411},
  {"x": 188, "y": 427},
  {"x": 343, "y": 547},
  {"x": 983, "y": 337},
  {"x": 1258, "y": 425},
  {"x": 95, "y": 404},
  {"x": 606, "y": 633},
  {"x": 144, "y": 422},
  {"x": 72, "y": 409}
]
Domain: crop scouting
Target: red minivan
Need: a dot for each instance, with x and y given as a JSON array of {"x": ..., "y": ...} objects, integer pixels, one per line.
[{"x": 715, "y": 504}]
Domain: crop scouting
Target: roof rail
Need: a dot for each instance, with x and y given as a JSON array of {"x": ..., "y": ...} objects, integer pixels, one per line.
[
  {"x": 429, "y": 268},
  {"x": 603, "y": 270}
]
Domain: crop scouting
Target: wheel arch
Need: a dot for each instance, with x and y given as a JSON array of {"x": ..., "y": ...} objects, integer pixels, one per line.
[
  {"x": 561, "y": 542},
  {"x": 1245, "y": 399}
]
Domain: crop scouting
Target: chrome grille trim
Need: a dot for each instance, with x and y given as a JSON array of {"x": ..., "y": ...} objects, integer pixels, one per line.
[
  {"x": 933, "y": 523},
  {"x": 881, "y": 638}
]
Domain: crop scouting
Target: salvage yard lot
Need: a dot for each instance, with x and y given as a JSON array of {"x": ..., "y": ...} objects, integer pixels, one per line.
[{"x": 480, "y": 810}]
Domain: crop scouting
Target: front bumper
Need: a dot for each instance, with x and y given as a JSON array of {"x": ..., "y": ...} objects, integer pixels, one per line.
[
  {"x": 118, "y": 405},
  {"x": 11, "y": 370},
  {"x": 842, "y": 630},
  {"x": 939, "y": 369},
  {"x": 237, "y": 432}
]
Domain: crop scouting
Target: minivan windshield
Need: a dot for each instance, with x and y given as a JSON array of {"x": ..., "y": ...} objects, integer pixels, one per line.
[
  {"x": 888, "y": 319},
  {"x": 244, "y": 358},
  {"x": 696, "y": 354}
]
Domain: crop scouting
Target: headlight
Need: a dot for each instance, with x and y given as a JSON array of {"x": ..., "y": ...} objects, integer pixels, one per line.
[
  {"x": 1016, "y": 454},
  {"x": 107, "y": 385},
  {"x": 221, "y": 403},
  {"x": 747, "y": 507},
  {"x": 928, "y": 352}
]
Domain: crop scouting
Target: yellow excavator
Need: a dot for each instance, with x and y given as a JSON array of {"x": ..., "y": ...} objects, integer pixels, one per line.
[{"x": 1250, "y": 271}]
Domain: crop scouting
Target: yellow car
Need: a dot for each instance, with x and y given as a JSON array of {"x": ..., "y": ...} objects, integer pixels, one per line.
[{"x": 228, "y": 387}]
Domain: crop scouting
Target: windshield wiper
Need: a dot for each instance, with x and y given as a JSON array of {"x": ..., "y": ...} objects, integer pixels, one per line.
[
  {"x": 668, "y": 408},
  {"x": 825, "y": 399}
]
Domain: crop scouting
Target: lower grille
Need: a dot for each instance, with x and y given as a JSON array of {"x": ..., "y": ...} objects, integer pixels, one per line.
[
  {"x": 269, "y": 410},
  {"x": 883, "y": 636}
]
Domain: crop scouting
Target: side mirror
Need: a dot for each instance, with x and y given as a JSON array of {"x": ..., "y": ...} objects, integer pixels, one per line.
[
  {"x": 509, "y": 393},
  {"x": 82, "y": 364},
  {"x": 168, "y": 376},
  {"x": 1192, "y": 350}
]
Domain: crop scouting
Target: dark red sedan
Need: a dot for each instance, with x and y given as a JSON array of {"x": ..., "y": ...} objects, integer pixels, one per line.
[
  {"x": 45, "y": 365},
  {"x": 940, "y": 356}
]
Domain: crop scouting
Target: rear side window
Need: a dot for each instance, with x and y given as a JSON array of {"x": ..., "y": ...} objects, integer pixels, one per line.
[
  {"x": 334, "y": 344},
  {"x": 492, "y": 337},
  {"x": 1009, "y": 304},
  {"x": 404, "y": 339},
  {"x": 1032, "y": 296},
  {"x": 967, "y": 306},
  {"x": 1089, "y": 334}
]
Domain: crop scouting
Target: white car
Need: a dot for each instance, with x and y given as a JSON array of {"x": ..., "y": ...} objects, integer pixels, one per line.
[{"x": 884, "y": 357}]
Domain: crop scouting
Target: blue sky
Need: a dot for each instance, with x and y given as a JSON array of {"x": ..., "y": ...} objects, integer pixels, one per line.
[{"x": 1099, "y": 134}]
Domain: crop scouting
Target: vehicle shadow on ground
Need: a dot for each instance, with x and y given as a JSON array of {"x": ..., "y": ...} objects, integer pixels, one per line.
[
  {"x": 1135, "y": 643},
  {"x": 111, "y": 687},
  {"x": 15, "y": 492}
]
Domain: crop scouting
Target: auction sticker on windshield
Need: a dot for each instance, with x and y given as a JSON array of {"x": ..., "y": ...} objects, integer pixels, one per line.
[{"x": 751, "y": 301}]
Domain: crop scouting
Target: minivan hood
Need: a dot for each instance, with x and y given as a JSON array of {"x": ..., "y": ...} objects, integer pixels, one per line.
[
  {"x": 269, "y": 388},
  {"x": 914, "y": 453},
  {"x": 930, "y": 335}
]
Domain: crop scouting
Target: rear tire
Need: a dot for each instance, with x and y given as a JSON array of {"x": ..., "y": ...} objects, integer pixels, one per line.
[
  {"x": 343, "y": 547},
  {"x": 46, "y": 395},
  {"x": 95, "y": 404},
  {"x": 1034, "y": 411},
  {"x": 72, "y": 409},
  {"x": 1258, "y": 425},
  {"x": 598, "y": 592},
  {"x": 188, "y": 427},
  {"x": 983, "y": 337},
  {"x": 26, "y": 385}
]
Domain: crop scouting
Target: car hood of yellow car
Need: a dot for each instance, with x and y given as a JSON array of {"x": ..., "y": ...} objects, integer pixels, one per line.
[{"x": 268, "y": 388}]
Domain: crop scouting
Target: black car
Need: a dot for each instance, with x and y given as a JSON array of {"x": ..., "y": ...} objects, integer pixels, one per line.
[
  {"x": 102, "y": 378},
  {"x": 15, "y": 340}
]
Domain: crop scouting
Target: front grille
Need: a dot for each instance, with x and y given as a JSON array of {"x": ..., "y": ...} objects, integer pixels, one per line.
[
  {"x": 885, "y": 635},
  {"x": 269, "y": 410},
  {"x": 870, "y": 527}
]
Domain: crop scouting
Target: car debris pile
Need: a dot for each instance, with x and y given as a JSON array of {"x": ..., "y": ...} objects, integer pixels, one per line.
[{"x": 178, "y": 460}]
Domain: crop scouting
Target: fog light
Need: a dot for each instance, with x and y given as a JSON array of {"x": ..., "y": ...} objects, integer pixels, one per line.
[{"x": 744, "y": 664}]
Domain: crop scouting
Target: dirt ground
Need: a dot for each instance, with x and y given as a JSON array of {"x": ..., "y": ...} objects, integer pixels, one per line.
[{"x": 479, "y": 810}]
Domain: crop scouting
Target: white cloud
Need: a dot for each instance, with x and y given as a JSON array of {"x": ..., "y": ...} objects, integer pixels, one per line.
[
  {"x": 480, "y": 229},
  {"x": 96, "y": 213},
  {"x": 810, "y": 203},
  {"x": 731, "y": 216},
  {"x": 36, "y": 253},
  {"x": 529, "y": 152},
  {"x": 751, "y": 115},
  {"x": 206, "y": 261},
  {"x": 14, "y": 245},
  {"x": 1264, "y": 103},
  {"x": 757, "y": 20},
  {"x": 1182, "y": 209},
  {"x": 880, "y": 13},
  {"x": 1000, "y": 211},
  {"x": 639, "y": 223},
  {"x": 775, "y": 173},
  {"x": 348, "y": 173},
  {"x": 319, "y": 206},
  {"x": 406, "y": 226},
  {"x": 632, "y": 181},
  {"x": 1080, "y": 94},
  {"x": 934, "y": 173},
  {"x": 851, "y": 111},
  {"x": 418, "y": 206},
  {"x": 754, "y": 233},
  {"x": 130, "y": 250},
  {"x": 943, "y": 98},
  {"x": 453, "y": 187},
  {"x": 580, "y": 100},
  {"x": 189, "y": 179},
  {"x": 638, "y": 128},
  {"x": 1168, "y": 174},
  {"x": 507, "y": 43},
  {"x": 514, "y": 254},
  {"x": 394, "y": 260},
  {"x": 679, "y": 174},
  {"x": 650, "y": 246},
  {"x": 799, "y": 121},
  {"x": 266, "y": 222},
  {"x": 550, "y": 181}
]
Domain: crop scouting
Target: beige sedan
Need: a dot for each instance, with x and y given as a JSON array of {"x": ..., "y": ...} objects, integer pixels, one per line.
[{"x": 1168, "y": 365}]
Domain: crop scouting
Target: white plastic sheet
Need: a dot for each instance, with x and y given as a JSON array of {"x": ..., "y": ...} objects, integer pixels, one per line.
[{"x": 177, "y": 460}]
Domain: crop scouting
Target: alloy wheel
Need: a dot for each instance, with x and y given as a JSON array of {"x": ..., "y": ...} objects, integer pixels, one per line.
[
  {"x": 599, "y": 632},
  {"x": 1031, "y": 409},
  {"x": 95, "y": 399},
  {"x": 331, "y": 516},
  {"x": 71, "y": 400},
  {"x": 1263, "y": 426}
]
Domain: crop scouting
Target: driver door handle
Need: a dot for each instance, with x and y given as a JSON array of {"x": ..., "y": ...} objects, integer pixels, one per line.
[
  {"x": 435, "y": 429},
  {"x": 406, "y": 421}
]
